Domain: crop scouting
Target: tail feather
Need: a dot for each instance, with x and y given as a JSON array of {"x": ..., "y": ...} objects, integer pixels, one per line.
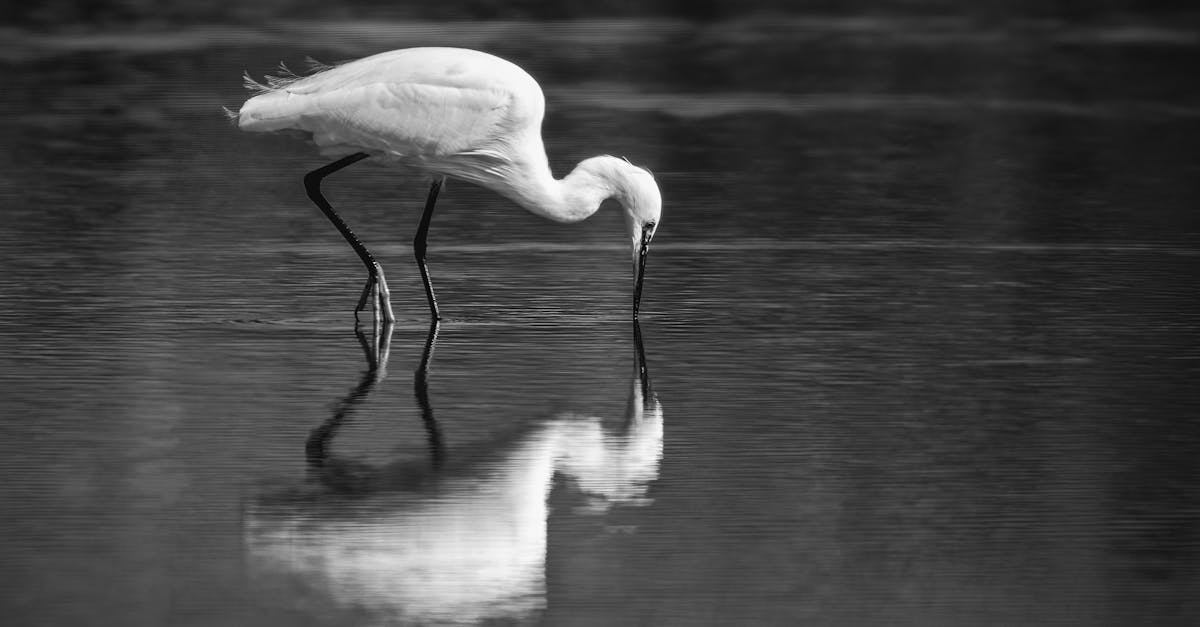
[
  {"x": 272, "y": 108},
  {"x": 315, "y": 66},
  {"x": 283, "y": 77},
  {"x": 252, "y": 85}
]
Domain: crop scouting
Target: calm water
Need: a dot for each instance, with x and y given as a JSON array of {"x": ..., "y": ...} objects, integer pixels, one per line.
[{"x": 920, "y": 337}]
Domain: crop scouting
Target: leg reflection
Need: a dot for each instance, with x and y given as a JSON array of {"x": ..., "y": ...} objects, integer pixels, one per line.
[
  {"x": 421, "y": 391},
  {"x": 317, "y": 447},
  {"x": 347, "y": 476}
]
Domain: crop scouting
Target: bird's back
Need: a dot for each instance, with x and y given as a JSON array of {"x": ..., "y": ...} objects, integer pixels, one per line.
[{"x": 415, "y": 105}]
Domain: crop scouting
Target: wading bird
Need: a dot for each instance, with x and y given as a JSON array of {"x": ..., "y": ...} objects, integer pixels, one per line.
[{"x": 448, "y": 112}]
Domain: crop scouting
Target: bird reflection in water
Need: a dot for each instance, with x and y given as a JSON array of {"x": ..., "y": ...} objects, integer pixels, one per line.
[{"x": 451, "y": 543}]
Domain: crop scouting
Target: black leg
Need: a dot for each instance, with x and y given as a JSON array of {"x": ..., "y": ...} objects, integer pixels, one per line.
[
  {"x": 419, "y": 247},
  {"x": 375, "y": 279}
]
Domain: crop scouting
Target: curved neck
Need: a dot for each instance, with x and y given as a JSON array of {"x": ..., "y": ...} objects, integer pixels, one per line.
[{"x": 573, "y": 198}]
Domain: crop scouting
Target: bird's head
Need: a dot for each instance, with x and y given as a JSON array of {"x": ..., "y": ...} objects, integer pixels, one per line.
[{"x": 636, "y": 191}]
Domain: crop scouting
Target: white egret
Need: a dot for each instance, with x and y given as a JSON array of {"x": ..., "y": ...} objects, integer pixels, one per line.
[{"x": 449, "y": 112}]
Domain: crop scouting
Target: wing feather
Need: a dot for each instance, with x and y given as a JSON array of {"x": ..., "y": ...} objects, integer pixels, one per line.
[{"x": 417, "y": 104}]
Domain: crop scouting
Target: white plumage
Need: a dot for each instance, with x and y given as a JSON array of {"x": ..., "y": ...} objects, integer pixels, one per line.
[
  {"x": 449, "y": 112},
  {"x": 414, "y": 103}
]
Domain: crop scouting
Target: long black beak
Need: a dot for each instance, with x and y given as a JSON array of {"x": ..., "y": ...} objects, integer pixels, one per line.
[{"x": 640, "y": 260}]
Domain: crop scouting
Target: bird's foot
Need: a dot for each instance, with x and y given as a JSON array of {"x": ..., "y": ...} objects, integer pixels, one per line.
[
  {"x": 377, "y": 291},
  {"x": 368, "y": 290},
  {"x": 384, "y": 302}
]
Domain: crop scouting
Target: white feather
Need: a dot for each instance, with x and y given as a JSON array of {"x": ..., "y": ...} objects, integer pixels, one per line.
[{"x": 451, "y": 112}]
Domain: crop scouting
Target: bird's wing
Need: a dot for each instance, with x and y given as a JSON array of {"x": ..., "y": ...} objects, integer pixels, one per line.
[
  {"x": 410, "y": 119},
  {"x": 416, "y": 103}
]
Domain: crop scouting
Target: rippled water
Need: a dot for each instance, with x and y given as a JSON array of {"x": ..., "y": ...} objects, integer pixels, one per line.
[{"x": 920, "y": 338}]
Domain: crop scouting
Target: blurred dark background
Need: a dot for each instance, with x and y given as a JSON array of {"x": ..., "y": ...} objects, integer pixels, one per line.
[{"x": 57, "y": 14}]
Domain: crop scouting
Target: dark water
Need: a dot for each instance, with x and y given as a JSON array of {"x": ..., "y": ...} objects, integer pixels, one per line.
[{"x": 920, "y": 328}]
